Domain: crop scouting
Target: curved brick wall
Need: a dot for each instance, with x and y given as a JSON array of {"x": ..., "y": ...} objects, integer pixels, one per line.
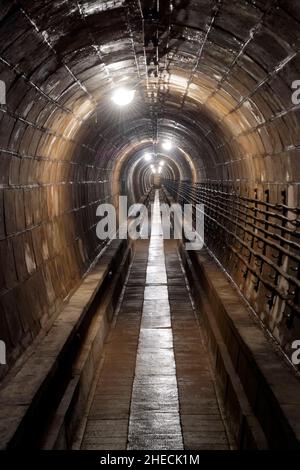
[{"x": 223, "y": 94}]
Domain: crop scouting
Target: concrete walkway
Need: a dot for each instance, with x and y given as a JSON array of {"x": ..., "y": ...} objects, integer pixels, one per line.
[{"x": 155, "y": 389}]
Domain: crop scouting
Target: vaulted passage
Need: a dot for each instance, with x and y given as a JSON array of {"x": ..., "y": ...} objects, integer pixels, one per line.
[
  {"x": 156, "y": 389},
  {"x": 113, "y": 342}
]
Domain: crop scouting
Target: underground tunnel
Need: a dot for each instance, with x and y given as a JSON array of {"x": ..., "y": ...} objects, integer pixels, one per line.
[{"x": 133, "y": 343}]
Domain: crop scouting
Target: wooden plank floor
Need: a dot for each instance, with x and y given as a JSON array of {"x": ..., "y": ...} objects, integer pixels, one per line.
[{"x": 155, "y": 389}]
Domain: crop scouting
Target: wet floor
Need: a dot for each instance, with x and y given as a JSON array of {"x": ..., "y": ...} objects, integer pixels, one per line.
[
  {"x": 154, "y": 413},
  {"x": 155, "y": 389}
]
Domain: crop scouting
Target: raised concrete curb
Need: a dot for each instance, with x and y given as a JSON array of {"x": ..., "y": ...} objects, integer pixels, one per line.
[
  {"x": 34, "y": 393},
  {"x": 260, "y": 391}
]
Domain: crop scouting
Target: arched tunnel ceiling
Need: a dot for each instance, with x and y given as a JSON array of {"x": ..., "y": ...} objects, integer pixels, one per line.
[
  {"x": 191, "y": 56},
  {"x": 214, "y": 76}
]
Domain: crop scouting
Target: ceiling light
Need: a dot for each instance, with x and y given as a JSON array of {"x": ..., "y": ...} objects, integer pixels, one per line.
[
  {"x": 161, "y": 163},
  {"x": 167, "y": 145},
  {"x": 122, "y": 96},
  {"x": 159, "y": 169},
  {"x": 153, "y": 171},
  {"x": 148, "y": 157}
]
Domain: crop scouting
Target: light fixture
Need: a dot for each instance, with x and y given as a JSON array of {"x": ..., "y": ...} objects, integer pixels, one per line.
[
  {"x": 122, "y": 96},
  {"x": 167, "y": 145},
  {"x": 159, "y": 169},
  {"x": 161, "y": 163},
  {"x": 153, "y": 171},
  {"x": 148, "y": 156}
]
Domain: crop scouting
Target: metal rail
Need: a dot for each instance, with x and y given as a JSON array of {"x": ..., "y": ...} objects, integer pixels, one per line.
[{"x": 255, "y": 240}]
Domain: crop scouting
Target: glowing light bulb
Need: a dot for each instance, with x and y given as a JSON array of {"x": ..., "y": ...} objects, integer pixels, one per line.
[
  {"x": 161, "y": 163},
  {"x": 167, "y": 145},
  {"x": 122, "y": 96},
  {"x": 148, "y": 157}
]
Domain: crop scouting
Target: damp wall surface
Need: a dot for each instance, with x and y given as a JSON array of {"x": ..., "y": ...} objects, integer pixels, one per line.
[{"x": 215, "y": 77}]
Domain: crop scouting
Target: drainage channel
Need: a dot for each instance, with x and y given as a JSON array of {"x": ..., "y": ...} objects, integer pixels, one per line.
[{"x": 155, "y": 389}]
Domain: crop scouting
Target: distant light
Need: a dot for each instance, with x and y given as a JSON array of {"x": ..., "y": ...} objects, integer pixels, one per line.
[
  {"x": 161, "y": 163},
  {"x": 167, "y": 145},
  {"x": 148, "y": 157},
  {"x": 151, "y": 166},
  {"x": 122, "y": 96},
  {"x": 153, "y": 171},
  {"x": 159, "y": 169}
]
